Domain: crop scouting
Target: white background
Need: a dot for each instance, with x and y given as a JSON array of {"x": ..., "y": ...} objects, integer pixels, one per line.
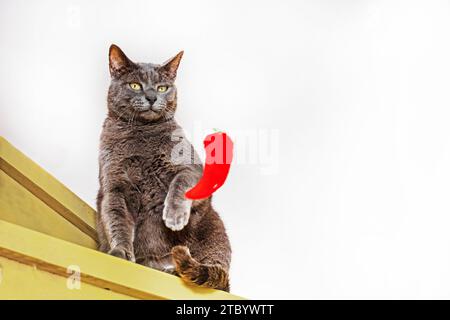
[{"x": 358, "y": 92}]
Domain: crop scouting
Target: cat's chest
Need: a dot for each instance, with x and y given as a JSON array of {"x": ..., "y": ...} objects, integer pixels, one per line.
[{"x": 141, "y": 161}]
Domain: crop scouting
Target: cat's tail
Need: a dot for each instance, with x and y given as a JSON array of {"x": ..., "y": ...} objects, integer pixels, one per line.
[{"x": 205, "y": 275}]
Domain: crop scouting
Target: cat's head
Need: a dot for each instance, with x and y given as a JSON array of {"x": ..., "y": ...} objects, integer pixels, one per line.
[{"x": 143, "y": 92}]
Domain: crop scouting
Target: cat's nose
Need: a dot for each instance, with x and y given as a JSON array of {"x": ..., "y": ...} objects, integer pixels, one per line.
[{"x": 151, "y": 100}]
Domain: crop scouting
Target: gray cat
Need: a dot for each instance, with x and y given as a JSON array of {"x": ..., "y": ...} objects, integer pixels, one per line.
[{"x": 143, "y": 215}]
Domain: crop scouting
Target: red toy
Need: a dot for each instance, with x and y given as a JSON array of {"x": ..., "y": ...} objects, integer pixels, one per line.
[{"x": 219, "y": 154}]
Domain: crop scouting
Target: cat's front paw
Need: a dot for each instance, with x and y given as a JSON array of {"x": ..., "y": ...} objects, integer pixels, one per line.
[
  {"x": 176, "y": 216},
  {"x": 121, "y": 252}
]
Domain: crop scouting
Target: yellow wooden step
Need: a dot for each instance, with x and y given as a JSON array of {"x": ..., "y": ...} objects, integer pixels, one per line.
[
  {"x": 47, "y": 232},
  {"x": 50, "y": 255},
  {"x": 25, "y": 282},
  {"x": 29, "y": 193}
]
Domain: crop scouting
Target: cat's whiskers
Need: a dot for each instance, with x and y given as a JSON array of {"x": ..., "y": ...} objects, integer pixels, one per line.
[
  {"x": 130, "y": 120},
  {"x": 133, "y": 118},
  {"x": 121, "y": 114}
]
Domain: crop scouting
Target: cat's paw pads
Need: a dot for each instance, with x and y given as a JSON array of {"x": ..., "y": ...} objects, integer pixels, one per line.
[
  {"x": 121, "y": 252},
  {"x": 177, "y": 217}
]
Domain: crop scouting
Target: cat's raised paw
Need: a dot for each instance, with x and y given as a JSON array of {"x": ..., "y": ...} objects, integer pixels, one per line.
[
  {"x": 121, "y": 252},
  {"x": 177, "y": 217}
]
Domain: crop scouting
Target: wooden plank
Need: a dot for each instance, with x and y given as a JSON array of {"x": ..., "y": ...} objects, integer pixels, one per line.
[
  {"x": 24, "y": 282},
  {"x": 45, "y": 187},
  {"x": 19, "y": 206},
  {"x": 54, "y": 255}
]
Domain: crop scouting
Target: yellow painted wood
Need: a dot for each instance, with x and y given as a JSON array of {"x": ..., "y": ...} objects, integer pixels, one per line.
[
  {"x": 54, "y": 255},
  {"x": 19, "y": 206},
  {"x": 25, "y": 282},
  {"x": 30, "y": 198},
  {"x": 45, "y": 187}
]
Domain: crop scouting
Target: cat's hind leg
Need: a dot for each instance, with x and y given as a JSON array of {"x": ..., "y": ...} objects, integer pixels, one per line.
[{"x": 206, "y": 275}]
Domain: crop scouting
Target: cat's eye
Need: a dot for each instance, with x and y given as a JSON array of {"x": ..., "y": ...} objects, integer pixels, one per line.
[
  {"x": 162, "y": 88},
  {"x": 135, "y": 86}
]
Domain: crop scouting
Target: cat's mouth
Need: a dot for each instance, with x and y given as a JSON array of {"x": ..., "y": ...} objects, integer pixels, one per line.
[
  {"x": 147, "y": 109},
  {"x": 142, "y": 109}
]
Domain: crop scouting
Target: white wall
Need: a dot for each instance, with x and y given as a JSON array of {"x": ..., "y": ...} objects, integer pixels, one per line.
[{"x": 357, "y": 92}]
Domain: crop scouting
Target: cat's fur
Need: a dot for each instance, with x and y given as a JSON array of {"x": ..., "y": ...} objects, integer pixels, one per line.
[{"x": 143, "y": 215}]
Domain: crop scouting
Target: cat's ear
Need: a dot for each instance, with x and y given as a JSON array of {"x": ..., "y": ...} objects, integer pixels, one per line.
[
  {"x": 170, "y": 67},
  {"x": 118, "y": 61}
]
